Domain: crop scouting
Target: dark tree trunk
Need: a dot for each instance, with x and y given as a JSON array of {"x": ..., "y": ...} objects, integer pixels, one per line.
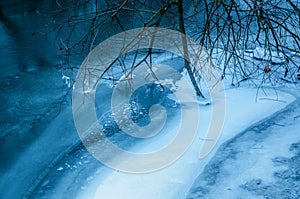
[{"x": 185, "y": 48}]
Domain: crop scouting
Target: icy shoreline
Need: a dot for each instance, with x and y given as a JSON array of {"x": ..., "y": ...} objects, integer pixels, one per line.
[{"x": 260, "y": 162}]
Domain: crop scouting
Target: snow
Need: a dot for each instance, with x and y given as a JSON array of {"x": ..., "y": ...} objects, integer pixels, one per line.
[
  {"x": 243, "y": 108},
  {"x": 264, "y": 54},
  {"x": 262, "y": 157}
]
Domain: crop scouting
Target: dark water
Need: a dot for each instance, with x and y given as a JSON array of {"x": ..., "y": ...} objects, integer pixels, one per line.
[
  {"x": 31, "y": 94},
  {"x": 24, "y": 46},
  {"x": 28, "y": 40}
]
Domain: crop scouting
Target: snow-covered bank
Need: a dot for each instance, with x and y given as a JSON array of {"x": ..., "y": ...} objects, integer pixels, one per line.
[
  {"x": 260, "y": 162},
  {"x": 242, "y": 110}
]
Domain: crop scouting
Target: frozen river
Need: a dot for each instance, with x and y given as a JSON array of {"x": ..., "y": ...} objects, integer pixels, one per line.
[{"x": 41, "y": 155}]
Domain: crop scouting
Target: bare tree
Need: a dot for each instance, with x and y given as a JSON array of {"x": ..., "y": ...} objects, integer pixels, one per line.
[{"x": 246, "y": 39}]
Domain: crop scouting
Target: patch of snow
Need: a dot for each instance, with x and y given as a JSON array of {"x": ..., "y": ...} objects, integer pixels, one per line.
[{"x": 264, "y": 54}]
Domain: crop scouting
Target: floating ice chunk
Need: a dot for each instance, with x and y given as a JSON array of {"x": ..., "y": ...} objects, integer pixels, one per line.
[
  {"x": 60, "y": 169},
  {"x": 90, "y": 178},
  {"x": 172, "y": 97},
  {"x": 67, "y": 80}
]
